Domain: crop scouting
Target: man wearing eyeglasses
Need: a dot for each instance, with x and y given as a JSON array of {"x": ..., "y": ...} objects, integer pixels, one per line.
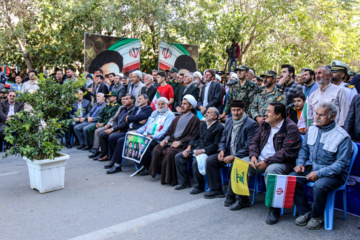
[{"x": 8, "y": 108}]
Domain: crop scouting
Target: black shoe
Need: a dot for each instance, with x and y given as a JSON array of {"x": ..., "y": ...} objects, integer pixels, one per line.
[
  {"x": 144, "y": 172},
  {"x": 100, "y": 156},
  {"x": 229, "y": 200},
  {"x": 182, "y": 186},
  {"x": 86, "y": 148},
  {"x": 114, "y": 169},
  {"x": 196, "y": 190},
  {"x": 76, "y": 143},
  {"x": 240, "y": 203},
  {"x": 68, "y": 145},
  {"x": 109, "y": 165},
  {"x": 93, "y": 150},
  {"x": 94, "y": 154},
  {"x": 81, "y": 146},
  {"x": 273, "y": 216},
  {"x": 214, "y": 194}
]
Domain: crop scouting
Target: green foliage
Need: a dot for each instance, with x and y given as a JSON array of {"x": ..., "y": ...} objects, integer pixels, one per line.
[{"x": 34, "y": 132}]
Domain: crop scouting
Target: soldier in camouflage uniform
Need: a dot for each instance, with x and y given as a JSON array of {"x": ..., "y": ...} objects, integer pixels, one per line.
[
  {"x": 109, "y": 111},
  {"x": 269, "y": 93},
  {"x": 244, "y": 90},
  {"x": 173, "y": 82}
]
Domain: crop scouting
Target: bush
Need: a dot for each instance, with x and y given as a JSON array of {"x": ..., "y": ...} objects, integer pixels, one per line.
[{"x": 34, "y": 132}]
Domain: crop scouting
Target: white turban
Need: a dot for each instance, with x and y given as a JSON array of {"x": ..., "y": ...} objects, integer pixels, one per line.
[
  {"x": 198, "y": 74},
  {"x": 234, "y": 75},
  {"x": 191, "y": 100},
  {"x": 138, "y": 73},
  {"x": 217, "y": 76},
  {"x": 164, "y": 99}
]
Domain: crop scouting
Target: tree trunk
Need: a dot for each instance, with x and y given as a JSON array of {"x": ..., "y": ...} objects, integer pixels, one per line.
[{"x": 25, "y": 53}]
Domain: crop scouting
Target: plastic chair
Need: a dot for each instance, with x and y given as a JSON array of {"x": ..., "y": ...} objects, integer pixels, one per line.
[{"x": 330, "y": 203}]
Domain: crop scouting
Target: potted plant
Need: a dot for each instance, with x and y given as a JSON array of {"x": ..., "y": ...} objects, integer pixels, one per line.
[{"x": 34, "y": 132}]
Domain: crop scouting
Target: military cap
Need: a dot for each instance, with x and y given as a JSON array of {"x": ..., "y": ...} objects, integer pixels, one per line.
[
  {"x": 173, "y": 69},
  {"x": 258, "y": 78},
  {"x": 231, "y": 82},
  {"x": 112, "y": 93},
  {"x": 352, "y": 73},
  {"x": 4, "y": 90},
  {"x": 242, "y": 67},
  {"x": 269, "y": 73},
  {"x": 337, "y": 65}
]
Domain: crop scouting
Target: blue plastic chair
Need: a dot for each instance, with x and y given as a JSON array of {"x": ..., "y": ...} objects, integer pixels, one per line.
[{"x": 330, "y": 203}]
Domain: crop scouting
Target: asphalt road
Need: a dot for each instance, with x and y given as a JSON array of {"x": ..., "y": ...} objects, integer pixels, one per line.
[{"x": 94, "y": 205}]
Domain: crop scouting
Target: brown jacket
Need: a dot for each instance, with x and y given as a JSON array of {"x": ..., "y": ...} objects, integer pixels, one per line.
[{"x": 287, "y": 143}]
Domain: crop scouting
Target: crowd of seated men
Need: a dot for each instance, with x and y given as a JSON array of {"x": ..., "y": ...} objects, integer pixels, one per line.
[{"x": 260, "y": 119}]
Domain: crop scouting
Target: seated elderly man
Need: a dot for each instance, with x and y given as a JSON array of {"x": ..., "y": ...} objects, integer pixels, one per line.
[
  {"x": 274, "y": 148},
  {"x": 204, "y": 143},
  {"x": 235, "y": 140},
  {"x": 177, "y": 138},
  {"x": 89, "y": 120},
  {"x": 324, "y": 159},
  {"x": 155, "y": 128}
]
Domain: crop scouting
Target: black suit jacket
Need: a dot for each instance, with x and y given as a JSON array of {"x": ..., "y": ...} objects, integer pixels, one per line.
[
  {"x": 123, "y": 125},
  {"x": 207, "y": 139},
  {"x": 150, "y": 92},
  {"x": 102, "y": 89},
  {"x": 214, "y": 96},
  {"x": 192, "y": 90},
  {"x": 134, "y": 118},
  {"x": 4, "y": 109}
]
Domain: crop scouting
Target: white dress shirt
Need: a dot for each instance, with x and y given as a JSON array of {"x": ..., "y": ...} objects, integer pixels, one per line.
[
  {"x": 206, "y": 94},
  {"x": 269, "y": 148}
]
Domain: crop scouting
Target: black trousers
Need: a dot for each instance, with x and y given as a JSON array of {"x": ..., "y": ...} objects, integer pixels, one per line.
[
  {"x": 146, "y": 160},
  {"x": 104, "y": 143}
]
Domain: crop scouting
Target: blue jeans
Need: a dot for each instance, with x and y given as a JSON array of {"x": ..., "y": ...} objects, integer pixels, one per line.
[
  {"x": 320, "y": 190},
  {"x": 232, "y": 60}
]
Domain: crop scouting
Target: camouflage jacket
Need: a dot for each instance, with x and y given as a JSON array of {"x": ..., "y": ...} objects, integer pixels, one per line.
[
  {"x": 108, "y": 112},
  {"x": 262, "y": 100},
  {"x": 246, "y": 93}
]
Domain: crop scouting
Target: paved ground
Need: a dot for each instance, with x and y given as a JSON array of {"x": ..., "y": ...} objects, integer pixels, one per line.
[{"x": 94, "y": 205}]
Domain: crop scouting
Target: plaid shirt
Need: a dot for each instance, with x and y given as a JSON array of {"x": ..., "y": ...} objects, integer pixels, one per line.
[{"x": 289, "y": 91}]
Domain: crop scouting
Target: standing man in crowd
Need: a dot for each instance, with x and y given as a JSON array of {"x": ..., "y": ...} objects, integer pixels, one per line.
[
  {"x": 99, "y": 86},
  {"x": 310, "y": 85},
  {"x": 32, "y": 85},
  {"x": 164, "y": 89},
  {"x": 70, "y": 75},
  {"x": 211, "y": 94},
  {"x": 329, "y": 93},
  {"x": 322, "y": 160},
  {"x": 17, "y": 86},
  {"x": 288, "y": 84},
  {"x": 119, "y": 88},
  {"x": 136, "y": 85},
  {"x": 188, "y": 88},
  {"x": 269, "y": 94},
  {"x": 149, "y": 89},
  {"x": 233, "y": 54},
  {"x": 59, "y": 76},
  {"x": 244, "y": 90}
]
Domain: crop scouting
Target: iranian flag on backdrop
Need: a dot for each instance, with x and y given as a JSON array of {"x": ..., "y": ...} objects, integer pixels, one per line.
[
  {"x": 129, "y": 49},
  {"x": 280, "y": 191},
  {"x": 305, "y": 117},
  {"x": 154, "y": 101}
]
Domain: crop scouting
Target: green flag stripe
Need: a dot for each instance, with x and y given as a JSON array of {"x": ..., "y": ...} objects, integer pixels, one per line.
[
  {"x": 270, "y": 190},
  {"x": 120, "y": 43},
  {"x": 181, "y": 49}
]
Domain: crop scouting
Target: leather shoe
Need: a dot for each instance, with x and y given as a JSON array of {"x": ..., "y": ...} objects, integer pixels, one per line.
[
  {"x": 100, "y": 156},
  {"x": 273, "y": 216},
  {"x": 240, "y": 203},
  {"x": 109, "y": 165},
  {"x": 86, "y": 148},
  {"x": 81, "y": 146},
  {"x": 114, "y": 169},
  {"x": 93, "y": 150},
  {"x": 105, "y": 158},
  {"x": 76, "y": 143},
  {"x": 196, "y": 190},
  {"x": 214, "y": 194},
  {"x": 95, "y": 154},
  {"x": 229, "y": 201},
  {"x": 68, "y": 145},
  {"x": 182, "y": 186}
]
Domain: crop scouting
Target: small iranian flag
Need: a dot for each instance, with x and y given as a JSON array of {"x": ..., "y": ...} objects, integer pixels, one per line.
[
  {"x": 280, "y": 191},
  {"x": 8, "y": 83},
  {"x": 154, "y": 101},
  {"x": 305, "y": 118}
]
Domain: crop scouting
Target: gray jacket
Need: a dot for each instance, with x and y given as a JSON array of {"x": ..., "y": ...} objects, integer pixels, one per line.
[
  {"x": 98, "y": 113},
  {"x": 246, "y": 133},
  {"x": 328, "y": 150}
]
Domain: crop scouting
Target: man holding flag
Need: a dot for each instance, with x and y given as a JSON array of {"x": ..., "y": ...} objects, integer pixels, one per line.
[
  {"x": 274, "y": 148},
  {"x": 324, "y": 158}
]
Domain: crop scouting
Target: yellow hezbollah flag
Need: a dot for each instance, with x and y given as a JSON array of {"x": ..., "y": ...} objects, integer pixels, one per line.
[{"x": 239, "y": 183}]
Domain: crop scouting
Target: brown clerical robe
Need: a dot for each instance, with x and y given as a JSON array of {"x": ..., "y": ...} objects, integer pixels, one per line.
[{"x": 163, "y": 158}]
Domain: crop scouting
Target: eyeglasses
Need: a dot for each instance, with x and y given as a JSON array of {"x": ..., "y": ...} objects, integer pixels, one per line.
[
  {"x": 12, "y": 96},
  {"x": 334, "y": 71}
]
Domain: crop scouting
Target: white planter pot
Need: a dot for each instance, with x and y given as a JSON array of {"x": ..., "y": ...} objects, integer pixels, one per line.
[{"x": 47, "y": 175}]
